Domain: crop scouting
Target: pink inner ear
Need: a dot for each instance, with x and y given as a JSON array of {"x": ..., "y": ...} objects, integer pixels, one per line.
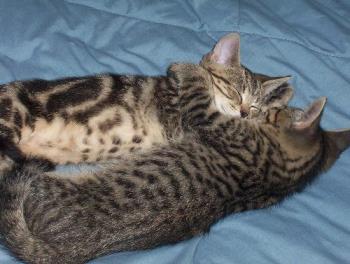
[
  {"x": 312, "y": 116},
  {"x": 226, "y": 51}
]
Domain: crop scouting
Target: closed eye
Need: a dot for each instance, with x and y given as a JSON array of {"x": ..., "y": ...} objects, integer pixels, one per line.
[
  {"x": 232, "y": 93},
  {"x": 255, "y": 108},
  {"x": 254, "y": 111}
]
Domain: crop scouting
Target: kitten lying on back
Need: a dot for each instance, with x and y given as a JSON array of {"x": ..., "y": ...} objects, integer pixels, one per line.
[
  {"x": 87, "y": 119},
  {"x": 172, "y": 192}
]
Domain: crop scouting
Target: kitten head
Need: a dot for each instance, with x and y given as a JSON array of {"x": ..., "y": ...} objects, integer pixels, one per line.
[
  {"x": 237, "y": 91},
  {"x": 300, "y": 133}
]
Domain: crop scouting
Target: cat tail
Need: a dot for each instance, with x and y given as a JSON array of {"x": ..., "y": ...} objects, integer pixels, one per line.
[{"x": 14, "y": 187}]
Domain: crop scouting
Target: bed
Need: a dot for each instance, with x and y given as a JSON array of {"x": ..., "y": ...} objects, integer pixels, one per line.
[{"x": 307, "y": 39}]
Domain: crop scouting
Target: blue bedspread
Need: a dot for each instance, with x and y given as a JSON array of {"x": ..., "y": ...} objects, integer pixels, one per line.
[{"x": 307, "y": 39}]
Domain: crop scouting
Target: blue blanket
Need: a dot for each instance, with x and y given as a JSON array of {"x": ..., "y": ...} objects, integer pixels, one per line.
[{"x": 307, "y": 39}]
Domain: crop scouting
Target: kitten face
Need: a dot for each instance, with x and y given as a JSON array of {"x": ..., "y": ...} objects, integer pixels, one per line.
[
  {"x": 300, "y": 134},
  {"x": 237, "y": 91}
]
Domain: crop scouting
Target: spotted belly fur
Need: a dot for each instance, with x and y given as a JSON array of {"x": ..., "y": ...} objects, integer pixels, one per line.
[{"x": 86, "y": 119}]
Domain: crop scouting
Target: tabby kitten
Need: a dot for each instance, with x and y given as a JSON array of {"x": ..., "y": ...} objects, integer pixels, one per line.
[
  {"x": 100, "y": 117},
  {"x": 220, "y": 165}
]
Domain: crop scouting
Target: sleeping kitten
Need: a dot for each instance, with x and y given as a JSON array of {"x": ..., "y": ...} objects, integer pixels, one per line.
[
  {"x": 88, "y": 119},
  {"x": 172, "y": 192}
]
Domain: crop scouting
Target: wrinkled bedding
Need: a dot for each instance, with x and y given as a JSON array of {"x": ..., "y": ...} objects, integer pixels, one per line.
[{"x": 307, "y": 39}]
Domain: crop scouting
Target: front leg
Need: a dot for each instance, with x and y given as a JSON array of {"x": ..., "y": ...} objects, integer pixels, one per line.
[{"x": 196, "y": 95}]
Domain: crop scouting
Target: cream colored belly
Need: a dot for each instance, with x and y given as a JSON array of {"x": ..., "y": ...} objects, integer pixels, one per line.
[{"x": 64, "y": 143}]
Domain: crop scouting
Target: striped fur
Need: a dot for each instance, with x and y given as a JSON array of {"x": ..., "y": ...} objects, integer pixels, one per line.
[
  {"x": 87, "y": 119},
  {"x": 218, "y": 166}
]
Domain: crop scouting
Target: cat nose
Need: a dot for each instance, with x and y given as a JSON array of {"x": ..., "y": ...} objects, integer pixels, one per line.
[{"x": 244, "y": 114}]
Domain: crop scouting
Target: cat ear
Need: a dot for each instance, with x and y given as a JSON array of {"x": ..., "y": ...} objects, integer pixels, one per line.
[
  {"x": 226, "y": 50},
  {"x": 283, "y": 95},
  {"x": 336, "y": 142},
  {"x": 310, "y": 120},
  {"x": 272, "y": 83},
  {"x": 340, "y": 139},
  {"x": 276, "y": 91}
]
